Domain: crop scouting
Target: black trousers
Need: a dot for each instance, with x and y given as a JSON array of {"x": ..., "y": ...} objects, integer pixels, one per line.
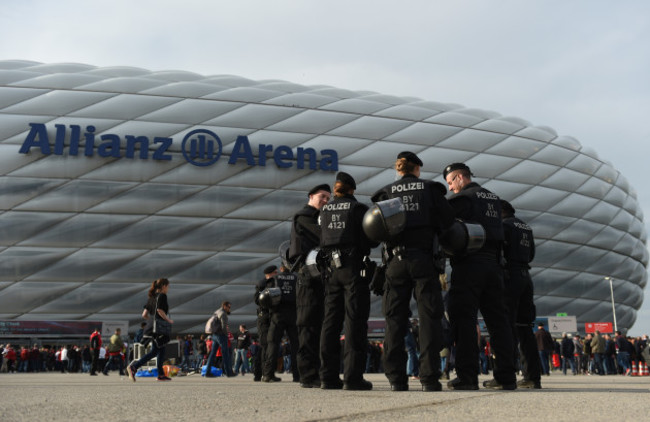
[
  {"x": 94, "y": 365},
  {"x": 522, "y": 312},
  {"x": 263, "y": 323},
  {"x": 477, "y": 284},
  {"x": 309, "y": 308},
  {"x": 281, "y": 321},
  {"x": 347, "y": 305},
  {"x": 413, "y": 275}
]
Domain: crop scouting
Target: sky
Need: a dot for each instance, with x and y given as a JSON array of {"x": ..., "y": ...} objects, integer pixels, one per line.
[{"x": 581, "y": 67}]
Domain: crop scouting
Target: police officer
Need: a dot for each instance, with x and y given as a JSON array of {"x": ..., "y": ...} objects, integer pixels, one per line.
[
  {"x": 477, "y": 284},
  {"x": 263, "y": 319},
  {"x": 305, "y": 236},
  {"x": 347, "y": 293},
  {"x": 518, "y": 252},
  {"x": 283, "y": 318},
  {"x": 410, "y": 271}
]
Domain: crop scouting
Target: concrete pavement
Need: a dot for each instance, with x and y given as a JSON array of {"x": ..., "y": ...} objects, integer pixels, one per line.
[{"x": 77, "y": 397}]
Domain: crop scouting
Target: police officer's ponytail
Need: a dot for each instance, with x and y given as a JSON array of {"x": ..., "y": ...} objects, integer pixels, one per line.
[
  {"x": 344, "y": 185},
  {"x": 404, "y": 166},
  {"x": 341, "y": 189}
]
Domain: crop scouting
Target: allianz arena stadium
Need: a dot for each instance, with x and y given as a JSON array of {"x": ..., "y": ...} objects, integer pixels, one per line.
[{"x": 114, "y": 176}]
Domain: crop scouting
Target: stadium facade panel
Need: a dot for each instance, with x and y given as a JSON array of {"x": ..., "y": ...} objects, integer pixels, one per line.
[{"x": 111, "y": 177}]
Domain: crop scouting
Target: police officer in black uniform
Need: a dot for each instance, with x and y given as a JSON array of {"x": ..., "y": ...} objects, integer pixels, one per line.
[
  {"x": 310, "y": 293},
  {"x": 477, "y": 284},
  {"x": 410, "y": 271},
  {"x": 283, "y": 318},
  {"x": 347, "y": 293},
  {"x": 518, "y": 252},
  {"x": 263, "y": 320}
]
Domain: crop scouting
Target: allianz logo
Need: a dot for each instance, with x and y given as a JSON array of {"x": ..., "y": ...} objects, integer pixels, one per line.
[{"x": 200, "y": 147}]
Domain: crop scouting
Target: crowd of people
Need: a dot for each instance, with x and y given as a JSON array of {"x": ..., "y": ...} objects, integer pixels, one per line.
[
  {"x": 568, "y": 354},
  {"x": 69, "y": 358},
  {"x": 595, "y": 354},
  {"x": 194, "y": 351}
]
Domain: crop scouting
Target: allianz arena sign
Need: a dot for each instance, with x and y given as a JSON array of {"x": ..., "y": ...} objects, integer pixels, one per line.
[{"x": 200, "y": 147}]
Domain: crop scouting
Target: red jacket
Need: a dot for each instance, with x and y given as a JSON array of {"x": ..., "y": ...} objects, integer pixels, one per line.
[
  {"x": 99, "y": 339},
  {"x": 11, "y": 354}
]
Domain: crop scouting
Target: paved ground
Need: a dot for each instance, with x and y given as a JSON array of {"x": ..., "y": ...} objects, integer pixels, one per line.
[{"x": 76, "y": 397}]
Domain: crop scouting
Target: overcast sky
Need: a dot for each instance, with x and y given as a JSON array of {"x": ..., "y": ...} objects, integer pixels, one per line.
[{"x": 580, "y": 67}]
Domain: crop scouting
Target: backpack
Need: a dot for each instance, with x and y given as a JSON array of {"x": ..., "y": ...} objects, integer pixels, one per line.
[{"x": 212, "y": 325}]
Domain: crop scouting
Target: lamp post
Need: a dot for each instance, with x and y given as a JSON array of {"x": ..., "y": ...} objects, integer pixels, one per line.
[{"x": 611, "y": 291}]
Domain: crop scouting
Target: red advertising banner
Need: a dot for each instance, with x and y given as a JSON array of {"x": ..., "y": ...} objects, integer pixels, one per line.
[{"x": 603, "y": 327}]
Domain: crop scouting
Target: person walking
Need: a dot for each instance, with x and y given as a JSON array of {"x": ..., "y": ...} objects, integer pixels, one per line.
[
  {"x": 156, "y": 308},
  {"x": 219, "y": 331},
  {"x": 115, "y": 349}
]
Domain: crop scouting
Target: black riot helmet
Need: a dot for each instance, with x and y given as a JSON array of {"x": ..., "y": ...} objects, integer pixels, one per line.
[
  {"x": 384, "y": 220},
  {"x": 462, "y": 238},
  {"x": 283, "y": 251},
  {"x": 313, "y": 263},
  {"x": 270, "y": 297}
]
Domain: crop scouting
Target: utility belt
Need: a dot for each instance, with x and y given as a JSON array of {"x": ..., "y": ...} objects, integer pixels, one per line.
[
  {"x": 335, "y": 258},
  {"x": 527, "y": 324},
  {"x": 284, "y": 308},
  {"x": 491, "y": 246},
  {"x": 490, "y": 251},
  {"x": 339, "y": 257},
  {"x": 518, "y": 272},
  {"x": 402, "y": 252},
  {"x": 517, "y": 266}
]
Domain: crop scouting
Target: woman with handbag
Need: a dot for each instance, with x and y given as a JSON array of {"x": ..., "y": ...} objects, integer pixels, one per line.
[{"x": 158, "y": 327}]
